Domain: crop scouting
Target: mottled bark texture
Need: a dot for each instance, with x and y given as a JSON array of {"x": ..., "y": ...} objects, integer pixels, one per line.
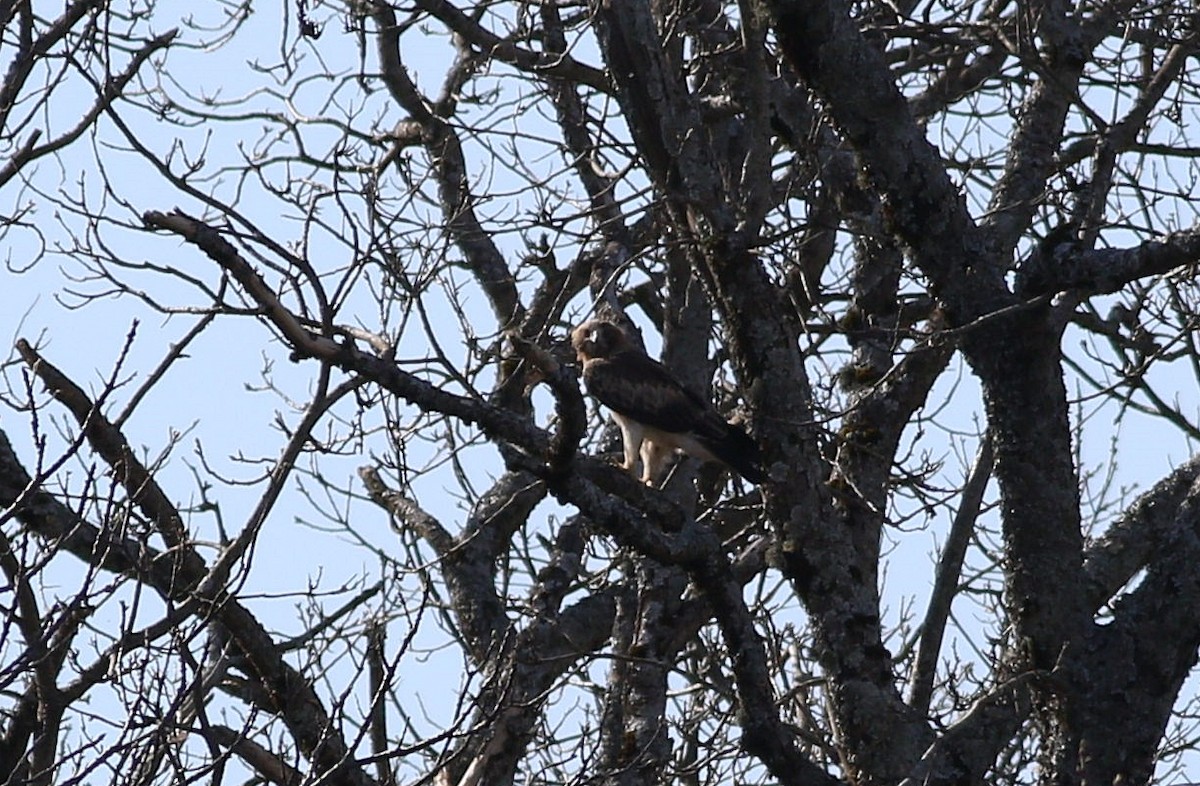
[{"x": 924, "y": 253}]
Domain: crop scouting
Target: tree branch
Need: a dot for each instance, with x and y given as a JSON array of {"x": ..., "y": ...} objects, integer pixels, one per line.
[
  {"x": 110, "y": 444},
  {"x": 557, "y": 65},
  {"x": 110, "y": 91},
  {"x": 1137, "y": 538},
  {"x": 1131, "y": 671},
  {"x": 921, "y": 205},
  {"x": 498, "y": 423},
  {"x": 1103, "y": 271},
  {"x": 187, "y": 576},
  {"x": 945, "y": 585},
  {"x": 458, "y": 205}
]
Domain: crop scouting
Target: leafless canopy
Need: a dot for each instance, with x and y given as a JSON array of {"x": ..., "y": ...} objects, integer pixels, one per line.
[{"x": 343, "y": 516}]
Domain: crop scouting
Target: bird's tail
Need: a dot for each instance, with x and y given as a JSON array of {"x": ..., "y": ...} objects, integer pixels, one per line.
[{"x": 739, "y": 451}]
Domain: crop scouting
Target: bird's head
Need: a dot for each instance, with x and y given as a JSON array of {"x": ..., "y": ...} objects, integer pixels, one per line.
[{"x": 597, "y": 338}]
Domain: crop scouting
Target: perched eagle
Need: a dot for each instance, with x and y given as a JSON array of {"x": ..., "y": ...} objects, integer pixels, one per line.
[{"x": 656, "y": 413}]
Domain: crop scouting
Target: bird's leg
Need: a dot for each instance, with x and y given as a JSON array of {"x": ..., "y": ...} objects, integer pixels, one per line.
[
  {"x": 631, "y": 440},
  {"x": 654, "y": 457},
  {"x": 630, "y": 462}
]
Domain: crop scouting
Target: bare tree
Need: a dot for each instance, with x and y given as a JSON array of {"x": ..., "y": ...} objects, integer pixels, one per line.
[{"x": 930, "y": 254}]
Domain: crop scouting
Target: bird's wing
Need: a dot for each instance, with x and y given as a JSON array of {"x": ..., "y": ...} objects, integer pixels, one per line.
[{"x": 641, "y": 388}]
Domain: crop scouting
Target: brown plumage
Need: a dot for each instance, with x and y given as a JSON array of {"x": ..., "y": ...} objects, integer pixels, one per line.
[{"x": 656, "y": 413}]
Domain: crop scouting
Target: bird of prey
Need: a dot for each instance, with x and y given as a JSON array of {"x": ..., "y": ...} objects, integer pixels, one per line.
[{"x": 656, "y": 413}]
